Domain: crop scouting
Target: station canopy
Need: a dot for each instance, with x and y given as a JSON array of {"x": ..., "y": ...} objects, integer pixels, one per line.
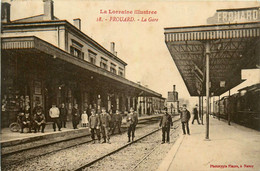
[{"x": 233, "y": 36}]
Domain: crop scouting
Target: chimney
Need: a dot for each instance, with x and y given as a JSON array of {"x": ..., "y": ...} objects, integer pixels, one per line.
[
  {"x": 112, "y": 47},
  {"x": 174, "y": 88},
  {"x": 77, "y": 23},
  {"x": 48, "y": 10},
  {"x": 115, "y": 53},
  {"x": 5, "y": 12}
]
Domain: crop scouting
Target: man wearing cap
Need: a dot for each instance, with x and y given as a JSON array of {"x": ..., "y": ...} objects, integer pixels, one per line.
[
  {"x": 118, "y": 122},
  {"x": 105, "y": 120},
  {"x": 195, "y": 113},
  {"x": 166, "y": 123},
  {"x": 131, "y": 121},
  {"x": 94, "y": 125},
  {"x": 185, "y": 117},
  {"x": 75, "y": 116}
]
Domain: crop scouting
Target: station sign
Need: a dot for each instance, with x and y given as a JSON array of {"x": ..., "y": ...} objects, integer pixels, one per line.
[{"x": 240, "y": 15}]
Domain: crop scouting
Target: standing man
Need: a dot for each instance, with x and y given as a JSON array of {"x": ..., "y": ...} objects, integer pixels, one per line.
[
  {"x": 94, "y": 125},
  {"x": 112, "y": 121},
  {"x": 118, "y": 121},
  {"x": 185, "y": 117},
  {"x": 105, "y": 120},
  {"x": 55, "y": 115},
  {"x": 166, "y": 123},
  {"x": 63, "y": 115},
  {"x": 195, "y": 113},
  {"x": 132, "y": 121},
  {"x": 75, "y": 116}
]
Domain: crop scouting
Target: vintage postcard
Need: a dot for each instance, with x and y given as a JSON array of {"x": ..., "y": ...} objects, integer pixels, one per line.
[{"x": 130, "y": 85}]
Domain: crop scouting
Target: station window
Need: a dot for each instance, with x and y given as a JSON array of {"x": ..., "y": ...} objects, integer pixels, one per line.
[
  {"x": 113, "y": 68},
  {"x": 121, "y": 72},
  {"x": 92, "y": 57},
  {"x": 76, "y": 49},
  {"x": 103, "y": 63}
]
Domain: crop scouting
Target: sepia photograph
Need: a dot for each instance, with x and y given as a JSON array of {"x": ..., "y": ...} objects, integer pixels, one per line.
[{"x": 130, "y": 85}]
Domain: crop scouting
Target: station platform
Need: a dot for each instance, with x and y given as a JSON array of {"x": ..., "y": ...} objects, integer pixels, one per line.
[
  {"x": 9, "y": 138},
  {"x": 231, "y": 147}
]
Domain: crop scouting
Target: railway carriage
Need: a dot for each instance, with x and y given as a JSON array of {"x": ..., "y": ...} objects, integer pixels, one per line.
[{"x": 243, "y": 107}]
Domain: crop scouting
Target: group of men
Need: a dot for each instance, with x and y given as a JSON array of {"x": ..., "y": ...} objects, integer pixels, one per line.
[
  {"x": 103, "y": 123},
  {"x": 106, "y": 124},
  {"x": 36, "y": 121},
  {"x": 166, "y": 121}
]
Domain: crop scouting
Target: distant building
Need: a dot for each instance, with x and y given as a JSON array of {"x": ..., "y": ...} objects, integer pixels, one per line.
[{"x": 172, "y": 101}]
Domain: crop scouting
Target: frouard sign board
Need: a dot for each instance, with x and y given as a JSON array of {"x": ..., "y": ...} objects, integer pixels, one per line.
[{"x": 240, "y": 15}]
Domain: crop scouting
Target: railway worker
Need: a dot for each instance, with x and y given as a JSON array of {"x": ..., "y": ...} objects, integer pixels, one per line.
[
  {"x": 185, "y": 117},
  {"x": 118, "y": 122},
  {"x": 39, "y": 121},
  {"x": 26, "y": 122},
  {"x": 63, "y": 115},
  {"x": 195, "y": 114},
  {"x": 112, "y": 121},
  {"x": 166, "y": 123},
  {"x": 55, "y": 116},
  {"x": 94, "y": 125},
  {"x": 105, "y": 120},
  {"x": 75, "y": 116},
  {"x": 132, "y": 121}
]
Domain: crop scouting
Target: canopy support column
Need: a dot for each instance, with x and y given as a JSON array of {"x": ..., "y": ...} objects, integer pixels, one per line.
[
  {"x": 207, "y": 89},
  {"x": 229, "y": 117}
]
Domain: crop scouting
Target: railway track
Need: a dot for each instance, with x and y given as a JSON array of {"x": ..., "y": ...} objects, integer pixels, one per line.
[
  {"x": 29, "y": 153},
  {"x": 89, "y": 164}
]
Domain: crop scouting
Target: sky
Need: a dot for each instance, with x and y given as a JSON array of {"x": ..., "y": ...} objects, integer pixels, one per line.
[{"x": 140, "y": 44}]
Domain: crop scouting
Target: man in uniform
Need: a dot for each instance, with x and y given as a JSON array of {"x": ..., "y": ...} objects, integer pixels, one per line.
[
  {"x": 118, "y": 121},
  {"x": 195, "y": 113},
  {"x": 132, "y": 121},
  {"x": 166, "y": 123},
  {"x": 94, "y": 125},
  {"x": 112, "y": 121},
  {"x": 63, "y": 115},
  {"x": 105, "y": 120},
  {"x": 185, "y": 117},
  {"x": 75, "y": 116}
]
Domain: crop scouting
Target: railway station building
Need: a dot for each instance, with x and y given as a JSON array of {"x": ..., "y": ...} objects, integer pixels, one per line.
[
  {"x": 210, "y": 57},
  {"x": 46, "y": 60}
]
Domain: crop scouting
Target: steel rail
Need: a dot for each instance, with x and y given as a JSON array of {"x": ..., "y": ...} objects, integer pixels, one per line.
[
  {"x": 58, "y": 149},
  {"x": 119, "y": 149}
]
